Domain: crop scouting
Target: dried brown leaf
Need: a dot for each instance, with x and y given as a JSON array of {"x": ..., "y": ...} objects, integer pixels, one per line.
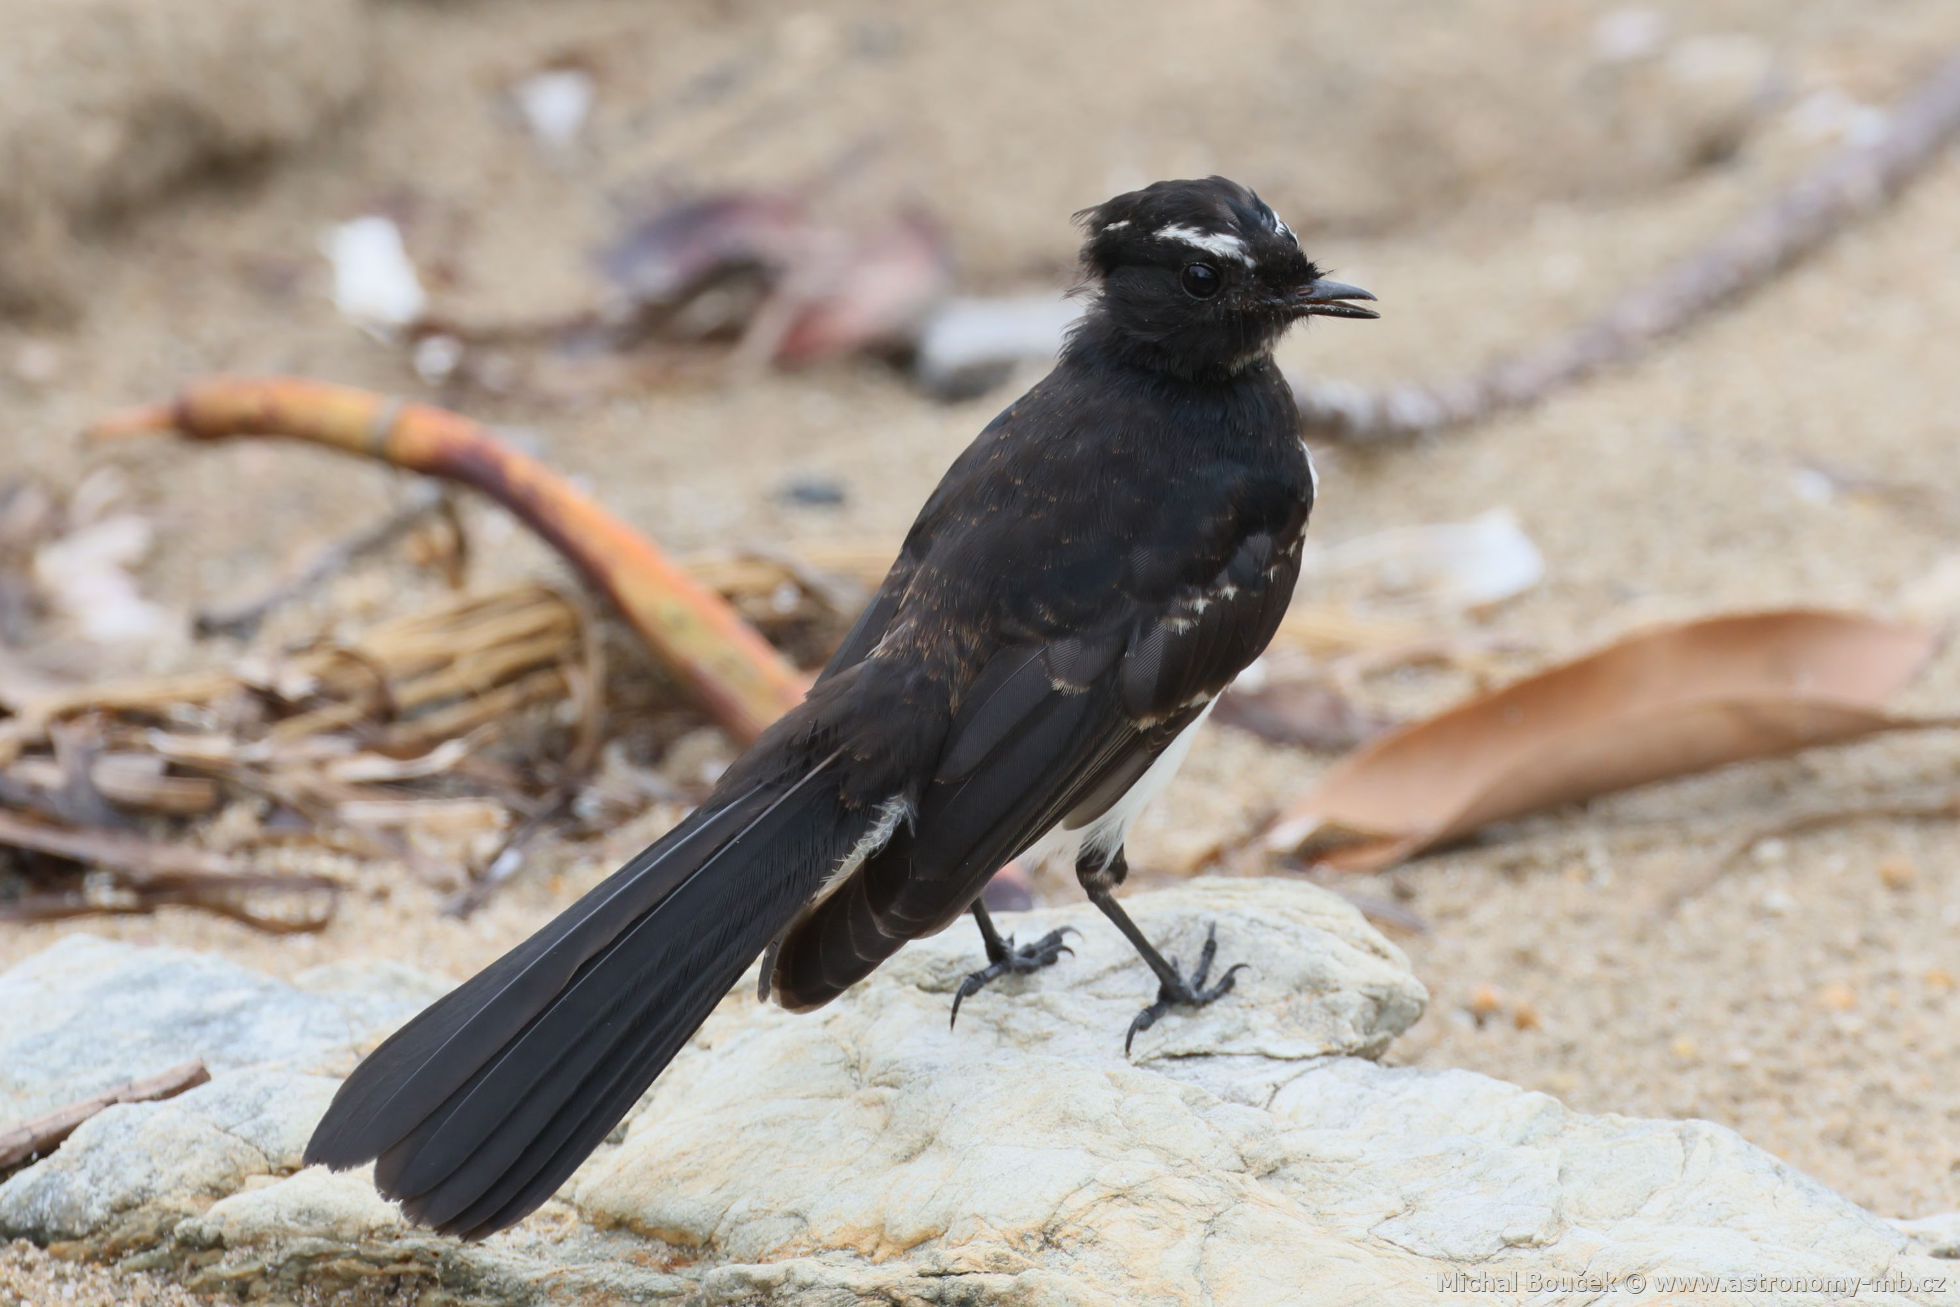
[{"x": 1659, "y": 704}]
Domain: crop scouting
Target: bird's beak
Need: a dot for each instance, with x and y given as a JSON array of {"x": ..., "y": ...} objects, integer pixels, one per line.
[{"x": 1328, "y": 299}]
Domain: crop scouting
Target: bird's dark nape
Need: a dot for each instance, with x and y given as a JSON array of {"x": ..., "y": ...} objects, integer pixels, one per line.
[{"x": 480, "y": 1108}]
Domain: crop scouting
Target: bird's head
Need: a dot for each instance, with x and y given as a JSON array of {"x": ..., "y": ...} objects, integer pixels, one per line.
[{"x": 1201, "y": 277}]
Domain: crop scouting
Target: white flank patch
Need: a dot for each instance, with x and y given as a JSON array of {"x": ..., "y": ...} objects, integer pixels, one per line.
[
  {"x": 893, "y": 811},
  {"x": 1211, "y": 242},
  {"x": 1106, "y": 834}
]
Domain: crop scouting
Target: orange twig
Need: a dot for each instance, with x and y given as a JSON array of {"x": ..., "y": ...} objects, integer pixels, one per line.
[{"x": 731, "y": 670}]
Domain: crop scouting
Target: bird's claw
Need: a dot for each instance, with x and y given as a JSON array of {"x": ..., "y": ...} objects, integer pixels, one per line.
[
  {"x": 1191, "y": 993},
  {"x": 1015, "y": 960}
]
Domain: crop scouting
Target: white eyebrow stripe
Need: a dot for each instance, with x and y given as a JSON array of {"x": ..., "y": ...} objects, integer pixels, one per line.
[
  {"x": 1211, "y": 242},
  {"x": 1118, "y": 225}
]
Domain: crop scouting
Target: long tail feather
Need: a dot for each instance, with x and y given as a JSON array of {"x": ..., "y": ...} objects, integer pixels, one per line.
[{"x": 482, "y": 1106}]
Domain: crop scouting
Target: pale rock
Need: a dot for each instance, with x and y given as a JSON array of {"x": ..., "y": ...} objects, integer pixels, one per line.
[
  {"x": 1938, "y": 1236},
  {"x": 343, "y": 1206},
  {"x": 1249, "y": 1153},
  {"x": 88, "y": 1014},
  {"x": 138, "y": 1163}
]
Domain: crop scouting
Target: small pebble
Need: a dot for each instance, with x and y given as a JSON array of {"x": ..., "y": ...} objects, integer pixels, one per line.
[
  {"x": 1939, "y": 980},
  {"x": 436, "y": 357},
  {"x": 1485, "y": 1003},
  {"x": 37, "y": 363},
  {"x": 1525, "y": 1017},
  {"x": 1898, "y": 874},
  {"x": 1771, "y": 852},
  {"x": 813, "y": 492},
  {"x": 1685, "y": 1049},
  {"x": 1625, "y": 35},
  {"x": 1838, "y": 997}
]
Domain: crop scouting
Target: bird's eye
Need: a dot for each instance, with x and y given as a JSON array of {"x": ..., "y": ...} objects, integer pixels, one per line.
[{"x": 1200, "y": 280}]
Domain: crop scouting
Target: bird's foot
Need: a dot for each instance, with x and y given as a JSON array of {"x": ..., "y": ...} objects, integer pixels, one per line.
[
  {"x": 1178, "y": 992},
  {"x": 1013, "y": 960}
]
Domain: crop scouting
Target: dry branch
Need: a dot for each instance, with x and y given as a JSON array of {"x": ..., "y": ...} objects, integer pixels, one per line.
[
  {"x": 1856, "y": 182},
  {"x": 139, "y": 858},
  {"x": 43, "y": 1135},
  {"x": 146, "y": 874},
  {"x": 220, "y": 896},
  {"x": 734, "y": 673}
]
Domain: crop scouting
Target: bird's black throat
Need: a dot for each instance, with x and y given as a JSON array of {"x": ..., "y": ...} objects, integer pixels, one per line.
[{"x": 1219, "y": 351}]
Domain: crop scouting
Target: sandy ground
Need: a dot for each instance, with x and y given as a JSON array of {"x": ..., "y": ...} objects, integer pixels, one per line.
[{"x": 1806, "y": 999}]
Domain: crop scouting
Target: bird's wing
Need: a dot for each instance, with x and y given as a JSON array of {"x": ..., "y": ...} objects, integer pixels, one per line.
[
  {"x": 874, "y": 621},
  {"x": 1052, "y": 729}
]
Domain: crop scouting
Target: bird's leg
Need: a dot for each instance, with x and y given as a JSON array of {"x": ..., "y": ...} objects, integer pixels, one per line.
[
  {"x": 1100, "y": 876},
  {"x": 1005, "y": 957}
]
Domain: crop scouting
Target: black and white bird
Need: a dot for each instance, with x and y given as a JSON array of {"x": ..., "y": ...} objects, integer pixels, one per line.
[{"x": 1114, "y": 548}]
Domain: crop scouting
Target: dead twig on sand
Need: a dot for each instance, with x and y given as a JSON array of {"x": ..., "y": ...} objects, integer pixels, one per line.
[
  {"x": 241, "y": 620},
  {"x": 1857, "y": 181},
  {"x": 1939, "y": 809},
  {"x": 145, "y": 874},
  {"x": 219, "y": 896},
  {"x": 43, "y": 1135},
  {"x": 139, "y": 857}
]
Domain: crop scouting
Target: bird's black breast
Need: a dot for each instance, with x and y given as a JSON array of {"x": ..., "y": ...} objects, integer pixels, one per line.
[{"x": 1102, "y": 494}]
